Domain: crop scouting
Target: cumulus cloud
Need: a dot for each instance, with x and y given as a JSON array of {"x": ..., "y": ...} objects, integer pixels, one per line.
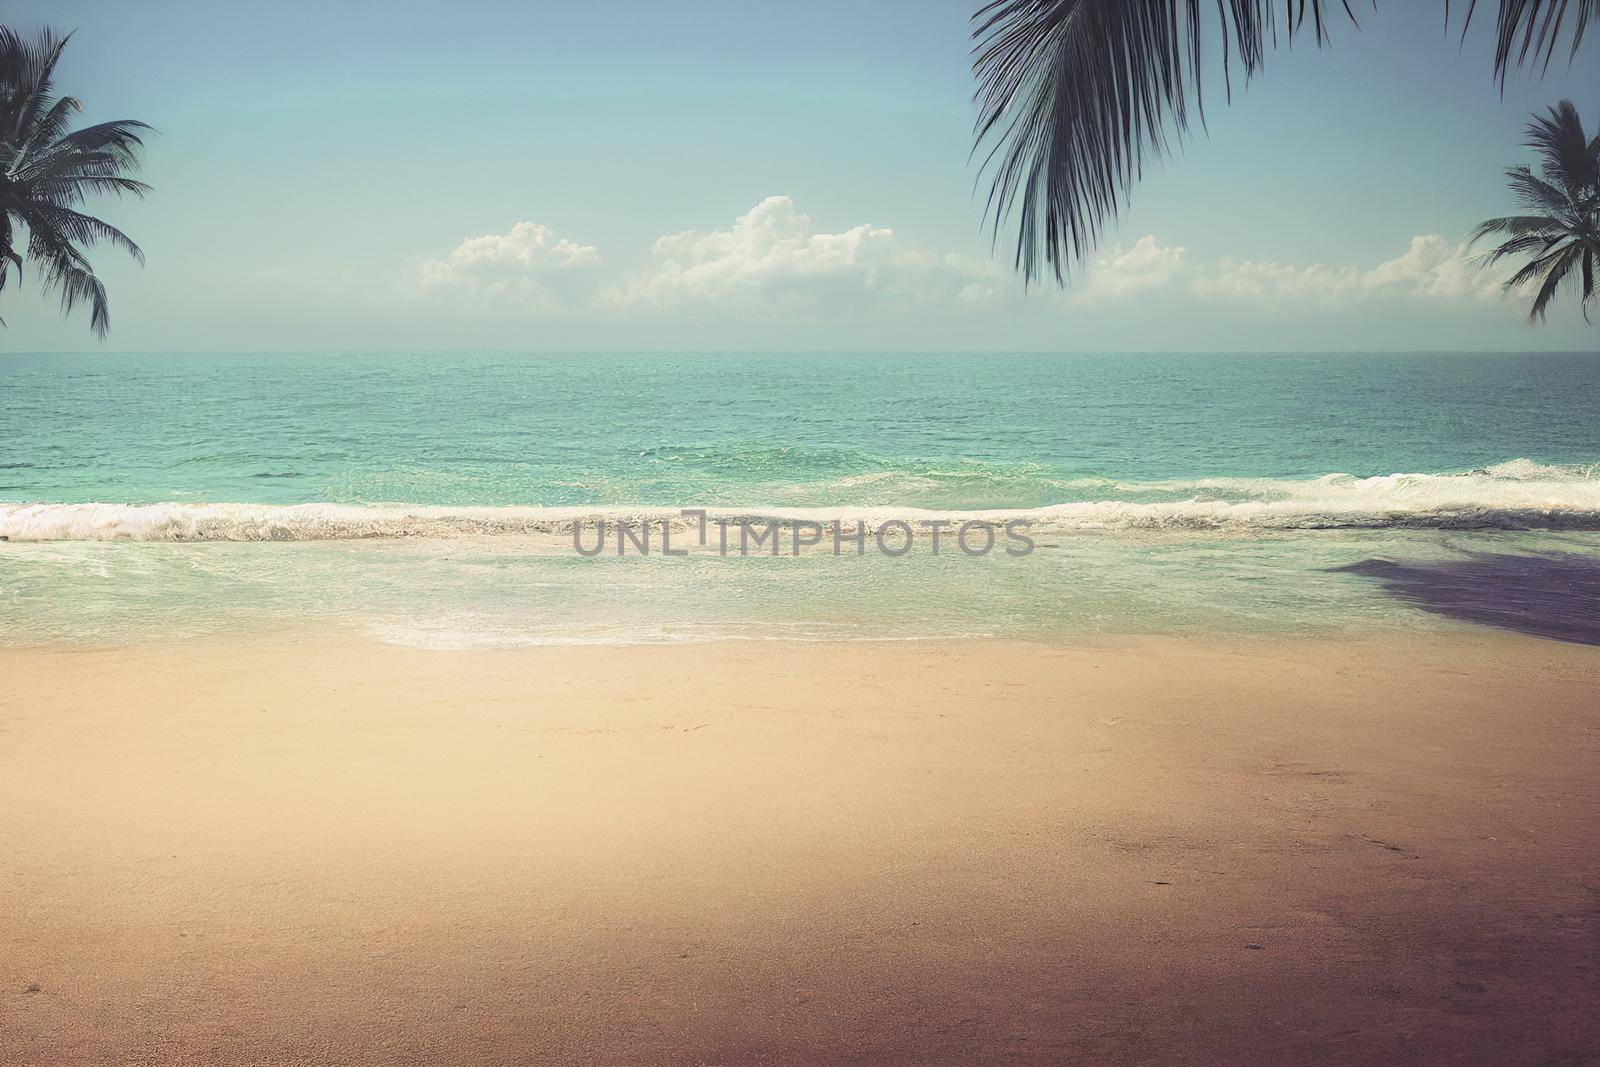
[
  {"x": 527, "y": 265},
  {"x": 1432, "y": 268},
  {"x": 1119, "y": 272},
  {"x": 773, "y": 258}
]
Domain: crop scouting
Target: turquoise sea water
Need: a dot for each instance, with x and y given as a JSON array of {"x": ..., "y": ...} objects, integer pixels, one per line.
[{"x": 429, "y": 498}]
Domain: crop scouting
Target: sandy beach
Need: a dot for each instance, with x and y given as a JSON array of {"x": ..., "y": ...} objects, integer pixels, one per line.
[
  {"x": 307, "y": 848},
  {"x": 925, "y": 534}
]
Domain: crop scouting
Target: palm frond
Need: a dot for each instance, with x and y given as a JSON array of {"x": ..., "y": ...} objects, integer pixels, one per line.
[
  {"x": 1531, "y": 29},
  {"x": 1565, "y": 156},
  {"x": 29, "y": 68},
  {"x": 1073, "y": 95},
  {"x": 79, "y": 285},
  {"x": 1515, "y": 226},
  {"x": 119, "y": 138},
  {"x": 1586, "y": 292},
  {"x": 65, "y": 226},
  {"x": 1534, "y": 192},
  {"x": 8, "y": 255},
  {"x": 68, "y": 272},
  {"x": 1554, "y": 268},
  {"x": 51, "y": 124},
  {"x": 1528, "y": 245},
  {"x": 71, "y": 188},
  {"x": 68, "y": 164}
]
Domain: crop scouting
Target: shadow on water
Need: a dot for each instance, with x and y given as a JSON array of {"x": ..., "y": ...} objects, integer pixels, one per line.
[{"x": 1552, "y": 594}]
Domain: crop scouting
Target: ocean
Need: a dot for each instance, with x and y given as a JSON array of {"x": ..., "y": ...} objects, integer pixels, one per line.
[{"x": 432, "y": 499}]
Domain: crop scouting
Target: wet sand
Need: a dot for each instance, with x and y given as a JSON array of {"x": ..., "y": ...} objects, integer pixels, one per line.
[{"x": 311, "y": 849}]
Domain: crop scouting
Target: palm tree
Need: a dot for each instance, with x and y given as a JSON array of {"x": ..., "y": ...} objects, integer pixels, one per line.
[
  {"x": 1562, "y": 229},
  {"x": 46, "y": 171},
  {"x": 1074, "y": 94}
]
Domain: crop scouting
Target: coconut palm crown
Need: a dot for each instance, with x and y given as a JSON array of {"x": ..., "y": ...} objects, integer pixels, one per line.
[
  {"x": 1559, "y": 235},
  {"x": 46, "y": 172}
]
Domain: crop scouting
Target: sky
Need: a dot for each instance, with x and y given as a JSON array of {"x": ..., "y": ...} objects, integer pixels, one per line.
[{"x": 758, "y": 176}]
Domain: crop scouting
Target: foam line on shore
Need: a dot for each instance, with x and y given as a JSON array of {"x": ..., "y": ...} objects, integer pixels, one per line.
[{"x": 1519, "y": 495}]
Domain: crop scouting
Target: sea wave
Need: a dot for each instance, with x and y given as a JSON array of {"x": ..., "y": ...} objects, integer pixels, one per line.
[{"x": 1516, "y": 495}]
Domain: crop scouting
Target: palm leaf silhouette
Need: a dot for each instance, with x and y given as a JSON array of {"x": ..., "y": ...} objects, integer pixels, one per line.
[
  {"x": 1074, "y": 96},
  {"x": 46, "y": 172}
]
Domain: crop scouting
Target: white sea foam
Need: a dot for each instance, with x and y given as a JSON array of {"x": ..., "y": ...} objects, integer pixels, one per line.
[{"x": 1519, "y": 494}]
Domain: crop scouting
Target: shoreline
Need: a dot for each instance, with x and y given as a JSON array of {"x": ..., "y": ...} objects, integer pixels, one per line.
[{"x": 310, "y": 847}]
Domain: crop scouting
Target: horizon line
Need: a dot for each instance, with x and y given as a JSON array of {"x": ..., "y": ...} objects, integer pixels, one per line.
[{"x": 749, "y": 351}]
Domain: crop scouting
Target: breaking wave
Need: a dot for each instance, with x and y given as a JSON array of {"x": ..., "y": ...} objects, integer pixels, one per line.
[{"x": 1517, "y": 495}]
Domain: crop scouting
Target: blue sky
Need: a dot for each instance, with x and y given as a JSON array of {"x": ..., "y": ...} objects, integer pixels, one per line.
[{"x": 479, "y": 175}]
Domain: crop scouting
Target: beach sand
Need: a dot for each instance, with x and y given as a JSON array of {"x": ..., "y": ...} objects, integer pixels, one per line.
[{"x": 309, "y": 849}]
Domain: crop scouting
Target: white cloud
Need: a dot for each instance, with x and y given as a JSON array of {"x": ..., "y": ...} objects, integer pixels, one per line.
[
  {"x": 1433, "y": 267},
  {"x": 1269, "y": 282},
  {"x": 772, "y": 258},
  {"x": 1119, "y": 273},
  {"x": 1115, "y": 274},
  {"x": 527, "y": 265},
  {"x": 1430, "y": 269}
]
